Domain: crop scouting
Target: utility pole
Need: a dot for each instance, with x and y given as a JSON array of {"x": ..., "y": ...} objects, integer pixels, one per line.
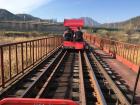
[
  {"x": 24, "y": 17},
  {"x": 114, "y": 25},
  {"x": 130, "y": 25}
]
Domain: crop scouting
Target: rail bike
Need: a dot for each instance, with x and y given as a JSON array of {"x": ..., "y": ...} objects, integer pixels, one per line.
[{"x": 73, "y": 24}]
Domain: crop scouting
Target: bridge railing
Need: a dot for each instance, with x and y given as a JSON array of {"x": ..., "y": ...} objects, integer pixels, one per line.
[
  {"x": 17, "y": 58},
  {"x": 128, "y": 54}
]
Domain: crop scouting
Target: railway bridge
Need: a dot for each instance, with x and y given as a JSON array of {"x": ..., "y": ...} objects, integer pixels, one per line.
[{"x": 40, "y": 72}]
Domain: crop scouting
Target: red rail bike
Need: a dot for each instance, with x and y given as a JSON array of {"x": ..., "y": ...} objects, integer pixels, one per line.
[{"x": 74, "y": 24}]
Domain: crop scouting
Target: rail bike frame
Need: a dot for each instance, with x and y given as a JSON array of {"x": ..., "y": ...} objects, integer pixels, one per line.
[
  {"x": 30, "y": 101},
  {"x": 73, "y": 24}
]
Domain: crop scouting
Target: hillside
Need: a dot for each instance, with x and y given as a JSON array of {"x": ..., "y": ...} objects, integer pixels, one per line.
[
  {"x": 27, "y": 17},
  {"x": 8, "y": 16},
  {"x": 90, "y": 22},
  {"x": 133, "y": 23}
]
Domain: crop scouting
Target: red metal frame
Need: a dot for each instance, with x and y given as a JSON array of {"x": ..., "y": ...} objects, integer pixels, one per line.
[
  {"x": 74, "y": 45},
  {"x": 30, "y": 101},
  {"x": 73, "y": 23}
]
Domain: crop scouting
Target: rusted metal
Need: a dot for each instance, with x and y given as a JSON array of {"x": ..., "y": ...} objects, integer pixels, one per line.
[
  {"x": 122, "y": 99},
  {"x": 82, "y": 87},
  {"x": 41, "y": 48},
  {"x": 30, "y": 52},
  {"x": 60, "y": 82},
  {"x": 55, "y": 43},
  {"x": 52, "y": 44},
  {"x": 33, "y": 53},
  {"x": 27, "y": 78},
  {"x": 2, "y": 68},
  {"x": 26, "y": 54},
  {"x": 46, "y": 47},
  {"x": 38, "y": 49},
  {"x": 137, "y": 55},
  {"x": 39, "y": 77},
  {"x": 22, "y": 58},
  {"x": 124, "y": 52},
  {"x": 35, "y": 50},
  {"x": 135, "y": 87},
  {"x": 16, "y": 60},
  {"x": 100, "y": 97},
  {"x": 10, "y": 62},
  {"x": 43, "y": 89}
]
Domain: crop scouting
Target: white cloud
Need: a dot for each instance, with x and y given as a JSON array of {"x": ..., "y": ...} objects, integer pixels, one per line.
[{"x": 22, "y": 6}]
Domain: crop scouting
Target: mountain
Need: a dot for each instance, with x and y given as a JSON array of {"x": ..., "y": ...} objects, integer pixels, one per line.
[
  {"x": 133, "y": 23},
  {"x": 90, "y": 22},
  {"x": 27, "y": 17},
  {"x": 8, "y": 16}
]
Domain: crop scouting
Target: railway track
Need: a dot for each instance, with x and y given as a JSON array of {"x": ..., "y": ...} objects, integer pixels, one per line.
[
  {"x": 114, "y": 90},
  {"x": 81, "y": 76},
  {"x": 69, "y": 80},
  {"x": 29, "y": 84},
  {"x": 66, "y": 81}
]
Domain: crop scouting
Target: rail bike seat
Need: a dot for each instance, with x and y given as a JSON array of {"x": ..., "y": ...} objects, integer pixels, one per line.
[{"x": 33, "y": 101}]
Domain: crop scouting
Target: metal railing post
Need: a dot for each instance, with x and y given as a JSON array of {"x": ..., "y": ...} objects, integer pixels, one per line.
[
  {"x": 135, "y": 87},
  {"x": 2, "y": 67}
]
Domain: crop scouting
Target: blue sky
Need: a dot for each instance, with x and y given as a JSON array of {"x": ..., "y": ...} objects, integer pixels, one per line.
[{"x": 102, "y": 11}]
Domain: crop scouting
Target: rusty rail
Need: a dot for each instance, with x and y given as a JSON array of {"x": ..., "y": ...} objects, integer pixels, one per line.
[
  {"x": 95, "y": 83},
  {"x": 17, "y": 58},
  {"x": 121, "y": 97},
  {"x": 128, "y": 54},
  {"x": 82, "y": 87}
]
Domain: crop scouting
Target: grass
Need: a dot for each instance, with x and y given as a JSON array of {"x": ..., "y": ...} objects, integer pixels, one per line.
[
  {"x": 27, "y": 60},
  {"x": 4, "y": 39},
  {"x": 123, "y": 36},
  {"x": 11, "y": 36}
]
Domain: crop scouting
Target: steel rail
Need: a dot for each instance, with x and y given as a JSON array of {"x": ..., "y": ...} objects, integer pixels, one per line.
[
  {"x": 41, "y": 92},
  {"x": 82, "y": 87},
  {"x": 122, "y": 99},
  {"x": 40, "y": 76},
  {"x": 96, "y": 86}
]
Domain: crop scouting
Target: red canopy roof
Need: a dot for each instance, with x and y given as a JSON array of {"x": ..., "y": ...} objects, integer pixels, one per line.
[{"x": 74, "y": 22}]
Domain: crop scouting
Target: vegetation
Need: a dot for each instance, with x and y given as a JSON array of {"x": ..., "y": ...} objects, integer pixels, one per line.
[
  {"x": 128, "y": 31},
  {"x": 133, "y": 24},
  {"x": 13, "y": 36},
  {"x": 128, "y": 36}
]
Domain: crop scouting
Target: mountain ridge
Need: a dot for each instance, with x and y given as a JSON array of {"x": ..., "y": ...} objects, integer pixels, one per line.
[
  {"x": 132, "y": 23},
  {"x": 5, "y": 15},
  {"x": 27, "y": 17},
  {"x": 90, "y": 22}
]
